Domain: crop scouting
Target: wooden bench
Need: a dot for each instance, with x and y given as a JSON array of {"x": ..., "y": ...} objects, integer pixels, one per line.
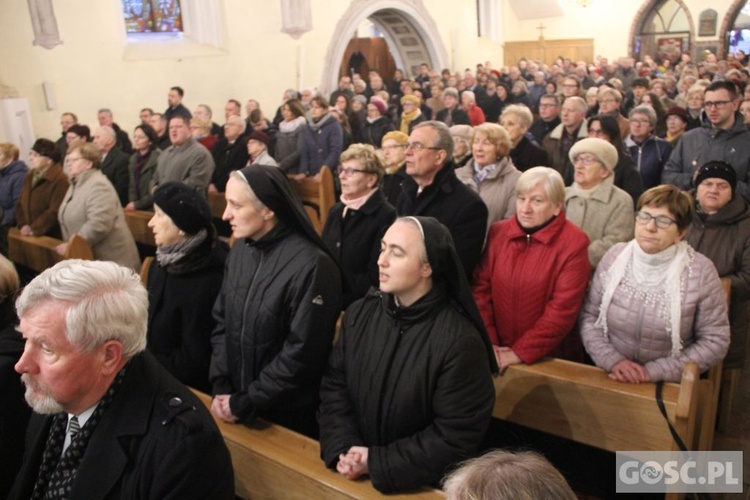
[
  {"x": 319, "y": 196},
  {"x": 581, "y": 403},
  {"x": 217, "y": 203},
  {"x": 271, "y": 461},
  {"x": 137, "y": 221},
  {"x": 38, "y": 252}
]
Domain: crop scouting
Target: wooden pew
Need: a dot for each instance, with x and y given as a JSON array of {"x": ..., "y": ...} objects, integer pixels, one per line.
[
  {"x": 319, "y": 195},
  {"x": 273, "y": 462},
  {"x": 38, "y": 252},
  {"x": 137, "y": 221},
  {"x": 218, "y": 203},
  {"x": 581, "y": 403}
]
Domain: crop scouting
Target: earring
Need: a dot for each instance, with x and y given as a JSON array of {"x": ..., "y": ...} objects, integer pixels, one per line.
[{"x": 181, "y": 232}]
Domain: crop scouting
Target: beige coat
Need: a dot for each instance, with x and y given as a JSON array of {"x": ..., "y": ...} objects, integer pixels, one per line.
[
  {"x": 606, "y": 216},
  {"x": 498, "y": 190},
  {"x": 92, "y": 210}
]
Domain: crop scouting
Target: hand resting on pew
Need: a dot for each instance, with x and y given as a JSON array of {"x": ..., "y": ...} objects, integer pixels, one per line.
[
  {"x": 629, "y": 371},
  {"x": 505, "y": 357},
  {"x": 61, "y": 248},
  {"x": 353, "y": 464},
  {"x": 220, "y": 408}
]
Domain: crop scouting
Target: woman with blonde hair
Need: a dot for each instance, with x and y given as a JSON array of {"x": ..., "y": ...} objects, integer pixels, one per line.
[
  {"x": 516, "y": 120},
  {"x": 491, "y": 172},
  {"x": 533, "y": 276},
  {"x": 356, "y": 223}
]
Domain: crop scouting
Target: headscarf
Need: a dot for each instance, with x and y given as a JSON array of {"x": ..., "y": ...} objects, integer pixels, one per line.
[
  {"x": 272, "y": 188},
  {"x": 447, "y": 268}
]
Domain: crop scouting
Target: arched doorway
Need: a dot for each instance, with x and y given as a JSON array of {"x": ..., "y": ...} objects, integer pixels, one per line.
[
  {"x": 408, "y": 29},
  {"x": 735, "y": 29},
  {"x": 664, "y": 28}
]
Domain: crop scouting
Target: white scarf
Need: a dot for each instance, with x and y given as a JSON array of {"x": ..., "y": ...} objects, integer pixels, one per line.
[
  {"x": 659, "y": 272},
  {"x": 292, "y": 125}
]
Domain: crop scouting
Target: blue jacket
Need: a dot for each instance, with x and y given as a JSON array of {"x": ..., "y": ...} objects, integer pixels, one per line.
[
  {"x": 11, "y": 182},
  {"x": 322, "y": 145},
  {"x": 650, "y": 158}
]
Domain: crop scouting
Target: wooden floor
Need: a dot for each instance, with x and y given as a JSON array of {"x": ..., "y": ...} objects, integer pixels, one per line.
[{"x": 737, "y": 436}]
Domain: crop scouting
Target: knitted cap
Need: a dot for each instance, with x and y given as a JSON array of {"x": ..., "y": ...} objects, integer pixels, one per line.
[
  {"x": 260, "y": 137},
  {"x": 601, "y": 149},
  {"x": 462, "y": 131},
  {"x": 47, "y": 148},
  {"x": 184, "y": 205},
  {"x": 379, "y": 103},
  {"x": 398, "y": 136},
  {"x": 717, "y": 169}
]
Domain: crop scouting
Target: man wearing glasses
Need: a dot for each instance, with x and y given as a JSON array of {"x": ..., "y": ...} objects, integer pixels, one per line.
[
  {"x": 723, "y": 138},
  {"x": 432, "y": 189}
]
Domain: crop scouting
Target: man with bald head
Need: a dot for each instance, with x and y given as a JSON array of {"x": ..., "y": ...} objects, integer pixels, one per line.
[
  {"x": 230, "y": 153},
  {"x": 122, "y": 141},
  {"x": 114, "y": 162}
]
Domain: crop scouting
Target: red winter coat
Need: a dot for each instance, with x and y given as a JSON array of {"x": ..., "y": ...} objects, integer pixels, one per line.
[{"x": 530, "y": 288}]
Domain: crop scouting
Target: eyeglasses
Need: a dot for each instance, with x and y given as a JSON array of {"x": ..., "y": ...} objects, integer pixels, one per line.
[
  {"x": 70, "y": 160},
  {"x": 639, "y": 121},
  {"x": 349, "y": 171},
  {"x": 418, "y": 146},
  {"x": 661, "y": 221},
  {"x": 715, "y": 104},
  {"x": 586, "y": 160}
]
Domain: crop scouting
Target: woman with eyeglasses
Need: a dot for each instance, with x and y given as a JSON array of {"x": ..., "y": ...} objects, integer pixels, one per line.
[
  {"x": 490, "y": 172},
  {"x": 649, "y": 152},
  {"x": 627, "y": 178},
  {"x": 593, "y": 202},
  {"x": 655, "y": 303},
  {"x": 356, "y": 223},
  {"x": 92, "y": 210}
]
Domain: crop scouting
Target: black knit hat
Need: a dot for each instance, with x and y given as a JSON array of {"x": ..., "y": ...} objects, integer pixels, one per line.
[
  {"x": 184, "y": 205},
  {"x": 81, "y": 131},
  {"x": 640, "y": 82},
  {"x": 47, "y": 148},
  {"x": 717, "y": 169}
]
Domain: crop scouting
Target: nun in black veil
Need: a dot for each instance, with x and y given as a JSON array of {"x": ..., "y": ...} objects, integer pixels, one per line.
[
  {"x": 408, "y": 390},
  {"x": 277, "y": 309}
]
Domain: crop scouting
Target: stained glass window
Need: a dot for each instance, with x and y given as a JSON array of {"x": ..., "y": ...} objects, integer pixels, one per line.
[{"x": 152, "y": 16}]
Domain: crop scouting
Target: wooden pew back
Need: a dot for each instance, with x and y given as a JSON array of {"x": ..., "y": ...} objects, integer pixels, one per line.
[
  {"x": 137, "y": 221},
  {"x": 581, "y": 403},
  {"x": 320, "y": 195},
  {"x": 38, "y": 252},
  {"x": 273, "y": 462}
]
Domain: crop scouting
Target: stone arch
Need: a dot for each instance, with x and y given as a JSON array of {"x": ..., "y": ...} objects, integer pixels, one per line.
[
  {"x": 411, "y": 33},
  {"x": 729, "y": 19},
  {"x": 640, "y": 18}
]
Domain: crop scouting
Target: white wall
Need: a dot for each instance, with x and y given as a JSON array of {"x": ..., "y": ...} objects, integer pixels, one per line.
[{"x": 92, "y": 69}]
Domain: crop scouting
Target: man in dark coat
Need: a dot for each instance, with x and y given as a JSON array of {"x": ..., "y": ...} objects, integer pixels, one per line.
[
  {"x": 109, "y": 422},
  {"x": 114, "y": 162},
  {"x": 452, "y": 114},
  {"x": 433, "y": 190},
  {"x": 122, "y": 140},
  {"x": 230, "y": 153},
  {"x": 176, "y": 108}
]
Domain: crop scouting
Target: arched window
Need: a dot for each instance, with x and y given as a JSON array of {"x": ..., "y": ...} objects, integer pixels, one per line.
[
  {"x": 738, "y": 36},
  {"x": 152, "y": 16},
  {"x": 664, "y": 32}
]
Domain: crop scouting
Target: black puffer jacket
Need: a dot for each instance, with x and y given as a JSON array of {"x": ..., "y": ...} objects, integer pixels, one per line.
[
  {"x": 412, "y": 384},
  {"x": 275, "y": 319},
  {"x": 372, "y": 133}
]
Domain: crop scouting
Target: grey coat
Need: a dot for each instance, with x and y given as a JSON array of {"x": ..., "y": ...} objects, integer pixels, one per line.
[
  {"x": 701, "y": 145},
  {"x": 606, "y": 216},
  {"x": 638, "y": 331},
  {"x": 144, "y": 202},
  {"x": 92, "y": 210},
  {"x": 498, "y": 190}
]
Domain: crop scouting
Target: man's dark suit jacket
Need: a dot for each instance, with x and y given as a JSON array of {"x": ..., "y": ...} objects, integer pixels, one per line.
[
  {"x": 156, "y": 440},
  {"x": 115, "y": 167}
]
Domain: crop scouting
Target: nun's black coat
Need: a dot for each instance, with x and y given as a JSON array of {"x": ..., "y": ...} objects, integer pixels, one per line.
[{"x": 412, "y": 384}]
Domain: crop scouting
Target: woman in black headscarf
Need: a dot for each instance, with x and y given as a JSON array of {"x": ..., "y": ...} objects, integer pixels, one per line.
[
  {"x": 408, "y": 390},
  {"x": 183, "y": 282},
  {"x": 277, "y": 308}
]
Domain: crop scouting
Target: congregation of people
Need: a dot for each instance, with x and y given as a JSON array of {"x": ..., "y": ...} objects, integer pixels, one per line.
[{"x": 486, "y": 218}]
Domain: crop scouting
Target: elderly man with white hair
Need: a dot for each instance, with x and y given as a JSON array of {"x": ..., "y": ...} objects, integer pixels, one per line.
[
  {"x": 114, "y": 162},
  {"x": 108, "y": 421}
]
